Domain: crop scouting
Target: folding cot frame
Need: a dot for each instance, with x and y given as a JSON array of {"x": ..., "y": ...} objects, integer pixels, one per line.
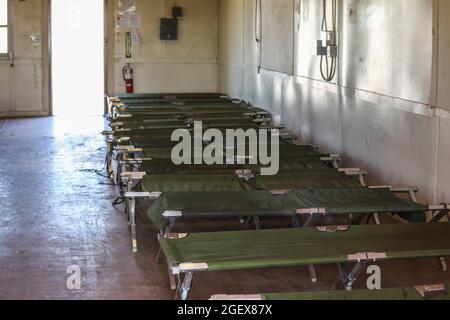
[
  {"x": 131, "y": 197},
  {"x": 309, "y": 215},
  {"x": 115, "y": 101},
  {"x": 125, "y": 149},
  {"x": 118, "y": 109},
  {"x": 129, "y": 156},
  {"x": 418, "y": 293},
  {"x": 123, "y": 146},
  {"x": 438, "y": 212},
  {"x": 121, "y": 127},
  {"x": 184, "y": 271},
  {"x": 263, "y": 123},
  {"x": 131, "y": 178},
  {"x": 252, "y": 113},
  {"x": 122, "y": 143}
]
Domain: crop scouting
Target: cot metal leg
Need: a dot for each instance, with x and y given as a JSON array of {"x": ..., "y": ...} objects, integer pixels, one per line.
[
  {"x": 309, "y": 222},
  {"x": 132, "y": 209},
  {"x": 376, "y": 217},
  {"x": 109, "y": 152},
  {"x": 246, "y": 222},
  {"x": 335, "y": 164},
  {"x": 129, "y": 182},
  {"x": 184, "y": 287},
  {"x": 412, "y": 195},
  {"x": 167, "y": 229},
  {"x": 349, "y": 278},
  {"x": 159, "y": 255},
  {"x": 257, "y": 223},
  {"x": 172, "y": 280},
  {"x": 168, "y": 226},
  {"x": 129, "y": 185},
  {"x": 296, "y": 222},
  {"x": 118, "y": 178},
  {"x": 313, "y": 274},
  {"x": 438, "y": 216},
  {"x": 311, "y": 268},
  {"x": 443, "y": 265},
  {"x": 362, "y": 180}
]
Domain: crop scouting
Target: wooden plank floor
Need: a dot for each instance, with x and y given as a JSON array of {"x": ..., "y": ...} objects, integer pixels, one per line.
[{"x": 54, "y": 215}]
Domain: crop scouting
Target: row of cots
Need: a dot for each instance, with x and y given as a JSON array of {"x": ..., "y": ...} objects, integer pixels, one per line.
[{"x": 310, "y": 188}]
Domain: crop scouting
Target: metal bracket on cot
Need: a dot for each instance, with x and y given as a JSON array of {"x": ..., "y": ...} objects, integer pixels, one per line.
[{"x": 431, "y": 291}]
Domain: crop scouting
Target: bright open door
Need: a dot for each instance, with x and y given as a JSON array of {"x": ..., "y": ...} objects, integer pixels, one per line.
[{"x": 78, "y": 73}]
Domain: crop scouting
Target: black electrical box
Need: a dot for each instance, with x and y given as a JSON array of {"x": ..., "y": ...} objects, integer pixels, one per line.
[
  {"x": 169, "y": 29},
  {"x": 177, "y": 12}
]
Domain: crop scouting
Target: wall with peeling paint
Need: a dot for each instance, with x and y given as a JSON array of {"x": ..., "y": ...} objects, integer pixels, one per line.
[
  {"x": 188, "y": 64},
  {"x": 386, "y": 110},
  {"x": 24, "y": 80}
]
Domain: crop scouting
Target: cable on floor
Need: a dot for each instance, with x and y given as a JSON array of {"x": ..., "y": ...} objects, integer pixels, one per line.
[{"x": 3, "y": 126}]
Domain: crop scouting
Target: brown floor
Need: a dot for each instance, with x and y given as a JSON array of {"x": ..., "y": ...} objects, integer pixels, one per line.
[{"x": 54, "y": 215}]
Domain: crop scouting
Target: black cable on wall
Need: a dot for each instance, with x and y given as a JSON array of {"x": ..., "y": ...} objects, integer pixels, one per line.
[{"x": 328, "y": 65}]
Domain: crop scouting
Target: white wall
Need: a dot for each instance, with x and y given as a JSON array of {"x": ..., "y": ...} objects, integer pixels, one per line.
[
  {"x": 188, "y": 64},
  {"x": 386, "y": 109},
  {"x": 23, "y": 88}
]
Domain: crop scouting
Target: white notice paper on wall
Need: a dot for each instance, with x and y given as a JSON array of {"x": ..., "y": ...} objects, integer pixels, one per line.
[
  {"x": 128, "y": 20},
  {"x": 135, "y": 38}
]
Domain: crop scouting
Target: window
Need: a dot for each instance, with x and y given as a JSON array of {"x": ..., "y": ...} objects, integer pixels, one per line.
[{"x": 4, "y": 45}]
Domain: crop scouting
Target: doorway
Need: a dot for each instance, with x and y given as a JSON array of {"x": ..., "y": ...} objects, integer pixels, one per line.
[{"x": 77, "y": 57}]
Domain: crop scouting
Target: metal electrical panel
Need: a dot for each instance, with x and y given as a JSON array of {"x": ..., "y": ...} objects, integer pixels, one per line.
[{"x": 169, "y": 29}]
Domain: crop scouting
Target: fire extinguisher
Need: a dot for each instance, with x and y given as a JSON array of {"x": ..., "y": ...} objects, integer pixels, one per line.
[{"x": 127, "y": 73}]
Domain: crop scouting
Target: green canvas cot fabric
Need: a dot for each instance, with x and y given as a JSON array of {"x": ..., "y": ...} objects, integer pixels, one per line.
[
  {"x": 149, "y": 119},
  {"x": 219, "y": 117},
  {"x": 142, "y": 128},
  {"x": 144, "y": 133},
  {"x": 124, "y": 114},
  {"x": 139, "y": 107},
  {"x": 222, "y": 205},
  {"x": 263, "y": 203},
  {"x": 187, "y": 112},
  {"x": 285, "y": 150},
  {"x": 296, "y": 247},
  {"x": 168, "y": 95},
  {"x": 165, "y": 166},
  {"x": 142, "y": 112},
  {"x": 287, "y": 153},
  {"x": 402, "y": 294},
  {"x": 356, "y": 200},
  {"x": 154, "y": 142},
  {"x": 191, "y": 183},
  {"x": 183, "y": 116},
  {"x": 174, "y": 105},
  {"x": 123, "y": 96},
  {"x": 158, "y": 153},
  {"x": 197, "y": 95},
  {"x": 170, "y": 98},
  {"x": 170, "y": 123},
  {"x": 308, "y": 161},
  {"x": 179, "y": 121},
  {"x": 144, "y": 102},
  {"x": 169, "y": 131},
  {"x": 325, "y": 178}
]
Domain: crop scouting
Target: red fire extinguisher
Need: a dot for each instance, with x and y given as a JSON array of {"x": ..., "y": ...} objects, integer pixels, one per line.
[{"x": 127, "y": 72}]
